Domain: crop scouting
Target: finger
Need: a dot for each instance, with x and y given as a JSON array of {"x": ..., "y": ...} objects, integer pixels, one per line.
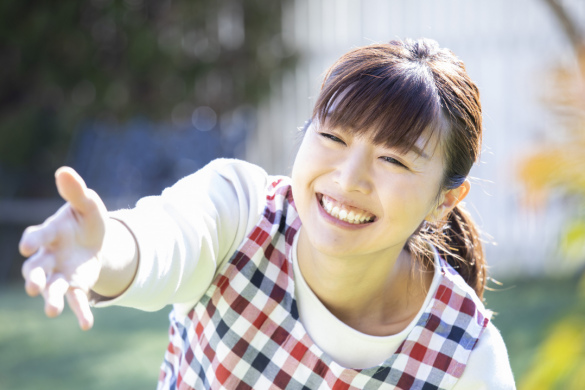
[
  {"x": 78, "y": 302},
  {"x": 57, "y": 286},
  {"x": 36, "y": 282},
  {"x": 41, "y": 259},
  {"x": 73, "y": 189},
  {"x": 35, "y": 271},
  {"x": 34, "y": 237}
]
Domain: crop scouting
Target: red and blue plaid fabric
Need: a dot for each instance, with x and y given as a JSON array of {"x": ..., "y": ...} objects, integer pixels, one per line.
[{"x": 245, "y": 332}]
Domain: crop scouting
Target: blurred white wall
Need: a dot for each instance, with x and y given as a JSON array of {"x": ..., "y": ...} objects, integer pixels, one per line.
[{"x": 507, "y": 46}]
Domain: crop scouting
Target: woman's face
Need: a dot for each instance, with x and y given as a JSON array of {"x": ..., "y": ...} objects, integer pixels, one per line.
[{"x": 356, "y": 198}]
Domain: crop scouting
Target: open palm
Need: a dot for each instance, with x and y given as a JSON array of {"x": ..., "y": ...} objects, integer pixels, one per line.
[{"x": 64, "y": 251}]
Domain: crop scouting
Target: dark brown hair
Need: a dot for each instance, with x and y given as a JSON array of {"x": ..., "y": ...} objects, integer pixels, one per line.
[{"x": 398, "y": 92}]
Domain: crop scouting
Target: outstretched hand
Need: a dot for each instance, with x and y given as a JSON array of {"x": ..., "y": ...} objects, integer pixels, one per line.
[{"x": 64, "y": 252}]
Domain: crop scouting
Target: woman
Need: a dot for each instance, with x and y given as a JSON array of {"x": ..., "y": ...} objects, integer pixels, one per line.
[{"x": 360, "y": 271}]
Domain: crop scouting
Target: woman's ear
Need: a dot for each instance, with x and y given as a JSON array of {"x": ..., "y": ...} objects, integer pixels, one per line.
[{"x": 448, "y": 201}]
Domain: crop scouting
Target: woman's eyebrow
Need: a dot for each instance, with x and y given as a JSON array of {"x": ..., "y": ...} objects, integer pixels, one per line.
[
  {"x": 419, "y": 151},
  {"x": 414, "y": 149}
]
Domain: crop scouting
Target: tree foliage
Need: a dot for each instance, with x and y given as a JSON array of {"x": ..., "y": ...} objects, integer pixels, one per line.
[
  {"x": 560, "y": 164},
  {"x": 111, "y": 60}
]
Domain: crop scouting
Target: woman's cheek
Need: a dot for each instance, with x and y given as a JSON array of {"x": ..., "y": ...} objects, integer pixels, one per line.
[{"x": 404, "y": 202}]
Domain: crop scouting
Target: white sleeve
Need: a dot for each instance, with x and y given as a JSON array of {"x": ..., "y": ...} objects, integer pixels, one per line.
[
  {"x": 188, "y": 231},
  {"x": 488, "y": 366}
]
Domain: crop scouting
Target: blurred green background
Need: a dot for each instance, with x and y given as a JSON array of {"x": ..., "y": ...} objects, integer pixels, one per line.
[{"x": 135, "y": 94}]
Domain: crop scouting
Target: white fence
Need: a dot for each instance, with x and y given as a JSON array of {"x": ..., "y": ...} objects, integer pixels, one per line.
[{"x": 508, "y": 47}]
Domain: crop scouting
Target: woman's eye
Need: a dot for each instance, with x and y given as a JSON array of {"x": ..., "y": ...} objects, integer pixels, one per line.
[
  {"x": 332, "y": 137},
  {"x": 393, "y": 161}
]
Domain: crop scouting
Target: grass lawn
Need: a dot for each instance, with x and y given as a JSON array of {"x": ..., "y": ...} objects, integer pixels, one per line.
[{"x": 125, "y": 347}]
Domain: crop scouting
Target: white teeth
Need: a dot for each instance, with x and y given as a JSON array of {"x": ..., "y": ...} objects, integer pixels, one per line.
[
  {"x": 351, "y": 216},
  {"x": 337, "y": 211}
]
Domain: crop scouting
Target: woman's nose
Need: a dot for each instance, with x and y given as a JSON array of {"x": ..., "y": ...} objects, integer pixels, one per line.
[{"x": 354, "y": 173}]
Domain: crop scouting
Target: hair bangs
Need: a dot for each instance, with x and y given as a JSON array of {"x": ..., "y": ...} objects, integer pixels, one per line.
[{"x": 393, "y": 104}]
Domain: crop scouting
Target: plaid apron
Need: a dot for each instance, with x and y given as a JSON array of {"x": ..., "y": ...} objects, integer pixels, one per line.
[{"x": 245, "y": 332}]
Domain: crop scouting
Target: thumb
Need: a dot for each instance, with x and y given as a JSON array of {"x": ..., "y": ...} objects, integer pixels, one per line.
[{"x": 72, "y": 189}]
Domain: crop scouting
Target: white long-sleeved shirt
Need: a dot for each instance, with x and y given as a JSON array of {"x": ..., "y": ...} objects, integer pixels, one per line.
[{"x": 185, "y": 234}]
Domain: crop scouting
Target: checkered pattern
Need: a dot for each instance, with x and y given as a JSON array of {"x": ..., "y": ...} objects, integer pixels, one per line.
[{"x": 245, "y": 332}]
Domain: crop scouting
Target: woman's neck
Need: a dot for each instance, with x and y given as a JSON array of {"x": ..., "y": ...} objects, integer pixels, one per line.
[{"x": 377, "y": 294}]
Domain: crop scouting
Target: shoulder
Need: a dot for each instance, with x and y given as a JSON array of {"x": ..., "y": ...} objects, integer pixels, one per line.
[
  {"x": 245, "y": 173},
  {"x": 465, "y": 300},
  {"x": 236, "y": 170},
  {"x": 251, "y": 177},
  {"x": 488, "y": 366},
  {"x": 222, "y": 178},
  {"x": 221, "y": 164}
]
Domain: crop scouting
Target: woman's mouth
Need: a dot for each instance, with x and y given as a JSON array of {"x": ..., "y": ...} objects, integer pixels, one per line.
[{"x": 345, "y": 213}]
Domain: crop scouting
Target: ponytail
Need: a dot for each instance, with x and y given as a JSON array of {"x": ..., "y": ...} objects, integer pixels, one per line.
[
  {"x": 463, "y": 250},
  {"x": 458, "y": 242}
]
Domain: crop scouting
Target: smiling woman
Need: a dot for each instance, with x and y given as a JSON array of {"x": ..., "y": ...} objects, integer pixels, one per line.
[
  {"x": 414, "y": 100},
  {"x": 360, "y": 271}
]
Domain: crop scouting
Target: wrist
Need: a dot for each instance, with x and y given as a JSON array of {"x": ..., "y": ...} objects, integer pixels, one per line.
[{"x": 118, "y": 260}]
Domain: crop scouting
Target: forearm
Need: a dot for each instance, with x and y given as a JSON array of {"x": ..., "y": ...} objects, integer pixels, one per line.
[
  {"x": 182, "y": 236},
  {"x": 119, "y": 257}
]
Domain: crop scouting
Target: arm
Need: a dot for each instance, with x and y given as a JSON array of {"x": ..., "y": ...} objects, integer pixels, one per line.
[
  {"x": 164, "y": 251},
  {"x": 77, "y": 249},
  {"x": 188, "y": 232}
]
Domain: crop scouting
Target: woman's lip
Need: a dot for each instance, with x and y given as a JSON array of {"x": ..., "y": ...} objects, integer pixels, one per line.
[
  {"x": 331, "y": 219},
  {"x": 348, "y": 204}
]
